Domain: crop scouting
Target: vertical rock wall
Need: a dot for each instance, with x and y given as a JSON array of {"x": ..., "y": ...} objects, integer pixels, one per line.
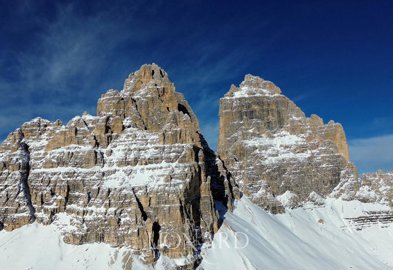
[{"x": 271, "y": 147}]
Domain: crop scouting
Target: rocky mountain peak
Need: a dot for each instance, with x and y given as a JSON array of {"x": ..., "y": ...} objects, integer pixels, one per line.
[
  {"x": 254, "y": 86},
  {"x": 271, "y": 147},
  {"x": 150, "y": 102},
  {"x": 149, "y": 76}
]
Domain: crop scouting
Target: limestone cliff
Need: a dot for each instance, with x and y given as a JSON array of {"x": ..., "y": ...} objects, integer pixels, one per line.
[
  {"x": 271, "y": 147},
  {"x": 138, "y": 174}
]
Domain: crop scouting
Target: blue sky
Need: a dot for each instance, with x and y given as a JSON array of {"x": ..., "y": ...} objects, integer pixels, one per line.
[{"x": 333, "y": 58}]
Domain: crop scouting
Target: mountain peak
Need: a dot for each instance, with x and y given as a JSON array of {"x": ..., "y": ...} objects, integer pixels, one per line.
[
  {"x": 146, "y": 75},
  {"x": 152, "y": 71},
  {"x": 253, "y": 86}
]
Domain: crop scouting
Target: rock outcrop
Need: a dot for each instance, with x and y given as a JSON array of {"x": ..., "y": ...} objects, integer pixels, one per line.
[
  {"x": 271, "y": 147},
  {"x": 369, "y": 188},
  {"x": 138, "y": 174},
  {"x": 376, "y": 187}
]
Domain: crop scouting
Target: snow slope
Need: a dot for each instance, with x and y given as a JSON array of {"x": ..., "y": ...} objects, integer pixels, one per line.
[
  {"x": 36, "y": 246},
  {"x": 312, "y": 237},
  {"x": 39, "y": 247}
]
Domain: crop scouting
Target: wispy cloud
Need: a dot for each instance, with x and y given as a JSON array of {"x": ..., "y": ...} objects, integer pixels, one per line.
[
  {"x": 302, "y": 97},
  {"x": 382, "y": 122},
  {"x": 70, "y": 48},
  {"x": 60, "y": 73},
  {"x": 374, "y": 153}
]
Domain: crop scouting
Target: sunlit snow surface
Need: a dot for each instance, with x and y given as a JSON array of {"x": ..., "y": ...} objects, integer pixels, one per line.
[
  {"x": 39, "y": 247},
  {"x": 310, "y": 237},
  {"x": 36, "y": 246}
]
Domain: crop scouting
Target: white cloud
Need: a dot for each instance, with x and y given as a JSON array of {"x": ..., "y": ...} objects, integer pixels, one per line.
[{"x": 371, "y": 154}]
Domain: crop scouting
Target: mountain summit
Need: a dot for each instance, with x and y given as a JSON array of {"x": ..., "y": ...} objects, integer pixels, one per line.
[{"x": 254, "y": 86}]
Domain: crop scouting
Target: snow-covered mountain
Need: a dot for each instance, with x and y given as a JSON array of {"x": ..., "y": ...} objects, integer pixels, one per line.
[{"x": 137, "y": 187}]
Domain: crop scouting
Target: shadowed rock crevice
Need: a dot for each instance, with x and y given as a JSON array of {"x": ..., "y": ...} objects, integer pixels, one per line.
[
  {"x": 183, "y": 109},
  {"x": 24, "y": 180},
  {"x": 156, "y": 228},
  {"x": 139, "y": 113},
  {"x": 223, "y": 188},
  {"x": 140, "y": 206}
]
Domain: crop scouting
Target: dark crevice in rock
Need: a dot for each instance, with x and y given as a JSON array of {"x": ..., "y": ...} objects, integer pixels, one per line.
[
  {"x": 1, "y": 226},
  {"x": 24, "y": 184},
  {"x": 66, "y": 196},
  {"x": 155, "y": 238},
  {"x": 88, "y": 197},
  {"x": 86, "y": 125},
  {"x": 140, "y": 206},
  {"x": 183, "y": 109},
  {"x": 230, "y": 184},
  {"x": 96, "y": 142},
  {"x": 221, "y": 191},
  {"x": 102, "y": 157},
  {"x": 139, "y": 114},
  {"x": 182, "y": 211}
]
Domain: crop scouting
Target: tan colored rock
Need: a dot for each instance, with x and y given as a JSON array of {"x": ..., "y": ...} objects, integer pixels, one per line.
[
  {"x": 139, "y": 174},
  {"x": 271, "y": 147},
  {"x": 376, "y": 187}
]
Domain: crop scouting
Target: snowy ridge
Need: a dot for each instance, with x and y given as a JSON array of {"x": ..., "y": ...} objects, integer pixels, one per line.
[
  {"x": 311, "y": 237},
  {"x": 254, "y": 86},
  {"x": 246, "y": 91}
]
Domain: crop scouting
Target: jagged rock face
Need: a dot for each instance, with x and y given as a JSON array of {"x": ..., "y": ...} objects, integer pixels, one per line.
[
  {"x": 138, "y": 174},
  {"x": 270, "y": 146},
  {"x": 376, "y": 187},
  {"x": 369, "y": 188},
  {"x": 150, "y": 102}
]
